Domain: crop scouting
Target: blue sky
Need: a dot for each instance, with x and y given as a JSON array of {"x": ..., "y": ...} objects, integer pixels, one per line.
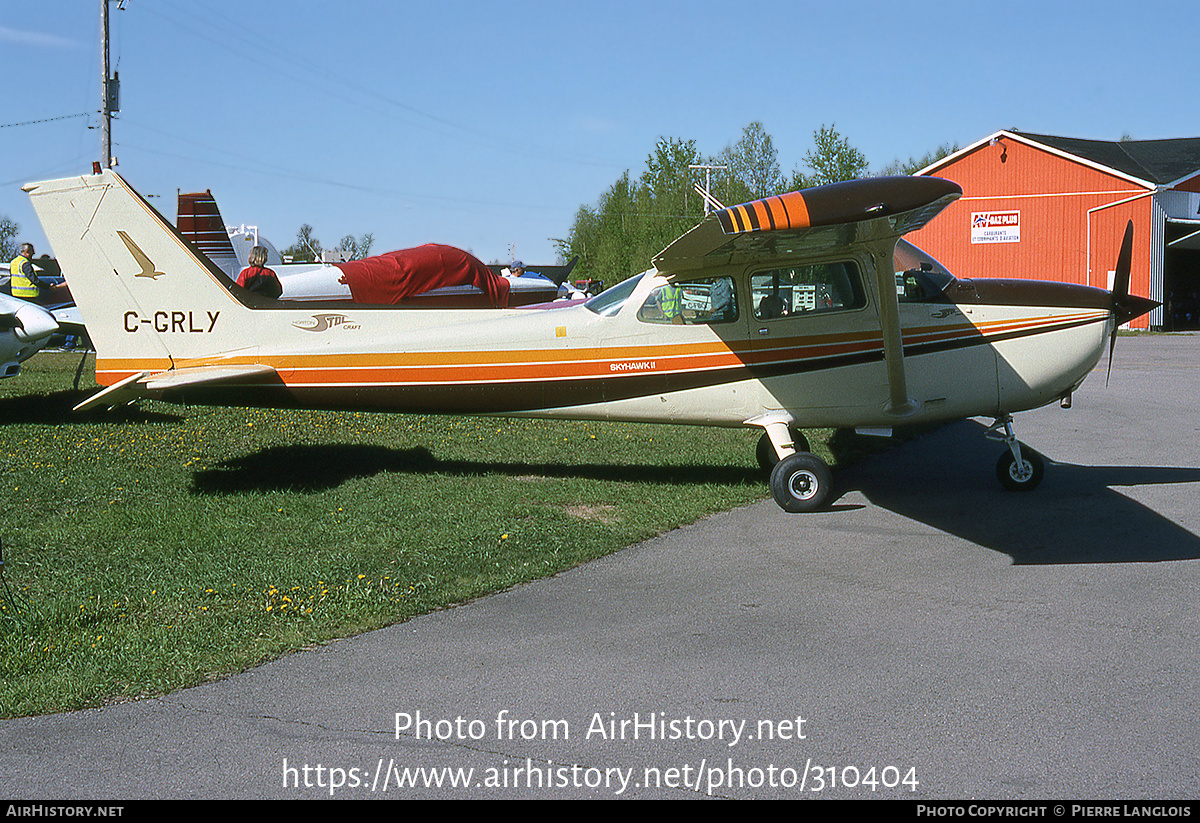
[{"x": 486, "y": 125}]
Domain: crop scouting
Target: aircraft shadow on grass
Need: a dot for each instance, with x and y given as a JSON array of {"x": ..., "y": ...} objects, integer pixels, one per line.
[
  {"x": 56, "y": 409},
  {"x": 947, "y": 480},
  {"x": 317, "y": 468}
]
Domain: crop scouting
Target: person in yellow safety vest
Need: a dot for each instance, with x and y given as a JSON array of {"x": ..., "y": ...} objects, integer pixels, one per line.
[
  {"x": 24, "y": 282},
  {"x": 670, "y": 302}
]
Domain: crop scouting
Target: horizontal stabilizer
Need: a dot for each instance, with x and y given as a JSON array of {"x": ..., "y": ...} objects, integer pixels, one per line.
[
  {"x": 143, "y": 385},
  {"x": 118, "y": 394},
  {"x": 202, "y": 375}
]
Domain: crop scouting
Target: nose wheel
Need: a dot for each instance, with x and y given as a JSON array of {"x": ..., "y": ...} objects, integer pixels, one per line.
[
  {"x": 1020, "y": 474},
  {"x": 1020, "y": 469}
]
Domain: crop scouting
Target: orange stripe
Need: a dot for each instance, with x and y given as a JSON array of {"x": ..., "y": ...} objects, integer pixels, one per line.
[
  {"x": 761, "y": 214},
  {"x": 795, "y": 210}
]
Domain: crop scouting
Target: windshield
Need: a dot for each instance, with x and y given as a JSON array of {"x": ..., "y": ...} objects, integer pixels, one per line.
[
  {"x": 607, "y": 303},
  {"x": 908, "y": 257},
  {"x": 918, "y": 276}
]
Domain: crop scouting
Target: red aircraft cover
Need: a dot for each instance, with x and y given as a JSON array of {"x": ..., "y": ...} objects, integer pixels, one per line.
[{"x": 389, "y": 278}]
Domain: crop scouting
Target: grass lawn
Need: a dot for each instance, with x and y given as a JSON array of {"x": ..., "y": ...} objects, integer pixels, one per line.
[{"x": 159, "y": 546}]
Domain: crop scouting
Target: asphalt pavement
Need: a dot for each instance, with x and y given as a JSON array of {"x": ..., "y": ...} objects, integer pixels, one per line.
[{"x": 930, "y": 637}]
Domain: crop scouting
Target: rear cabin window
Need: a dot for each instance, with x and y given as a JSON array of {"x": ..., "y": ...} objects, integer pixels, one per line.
[
  {"x": 822, "y": 287},
  {"x": 704, "y": 301}
]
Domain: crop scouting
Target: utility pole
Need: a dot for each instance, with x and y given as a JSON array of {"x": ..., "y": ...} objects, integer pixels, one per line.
[{"x": 109, "y": 91}]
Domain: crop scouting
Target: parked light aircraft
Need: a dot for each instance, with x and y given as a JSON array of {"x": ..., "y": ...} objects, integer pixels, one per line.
[
  {"x": 199, "y": 220},
  {"x": 27, "y": 327},
  {"x": 803, "y": 310},
  {"x": 24, "y": 329}
]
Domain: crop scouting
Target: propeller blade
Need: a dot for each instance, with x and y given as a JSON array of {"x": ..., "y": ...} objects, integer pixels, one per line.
[
  {"x": 1125, "y": 306},
  {"x": 1120, "y": 291},
  {"x": 1124, "y": 263}
]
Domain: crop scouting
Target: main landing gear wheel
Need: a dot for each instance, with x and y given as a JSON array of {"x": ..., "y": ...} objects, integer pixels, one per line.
[
  {"x": 801, "y": 482},
  {"x": 765, "y": 451},
  {"x": 1020, "y": 476}
]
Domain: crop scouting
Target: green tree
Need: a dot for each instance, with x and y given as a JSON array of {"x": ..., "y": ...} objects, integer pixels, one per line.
[
  {"x": 915, "y": 164},
  {"x": 8, "y": 239},
  {"x": 832, "y": 160},
  {"x": 667, "y": 204},
  {"x": 636, "y": 219},
  {"x": 306, "y": 249},
  {"x": 356, "y": 249},
  {"x": 753, "y": 167}
]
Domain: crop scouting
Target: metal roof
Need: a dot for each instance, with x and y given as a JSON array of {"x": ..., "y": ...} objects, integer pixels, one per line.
[
  {"x": 1153, "y": 163},
  {"x": 1157, "y": 161}
]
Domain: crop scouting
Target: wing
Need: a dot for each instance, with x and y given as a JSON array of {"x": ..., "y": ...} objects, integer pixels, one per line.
[
  {"x": 69, "y": 319},
  {"x": 819, "y": 220},
  {"x": 810, "y": 221}
]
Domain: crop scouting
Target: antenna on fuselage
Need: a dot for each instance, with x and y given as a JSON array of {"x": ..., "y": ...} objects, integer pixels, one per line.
[{"x": 711, "y": 203}]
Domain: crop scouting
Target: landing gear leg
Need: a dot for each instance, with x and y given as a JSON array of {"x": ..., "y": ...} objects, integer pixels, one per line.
[
  {"x": 767, "y": 454},
  {"x": 1020, "y": 469}
]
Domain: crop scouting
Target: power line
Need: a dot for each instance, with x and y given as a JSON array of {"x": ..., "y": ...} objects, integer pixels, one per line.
[{"x": 45, "y": 120}]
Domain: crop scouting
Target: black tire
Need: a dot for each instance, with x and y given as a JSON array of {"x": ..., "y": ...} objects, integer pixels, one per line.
[
  {"x": 765, "y": 451},
  {"x": 801, "y": 482},
  {"x": 1016, "y": 481}
]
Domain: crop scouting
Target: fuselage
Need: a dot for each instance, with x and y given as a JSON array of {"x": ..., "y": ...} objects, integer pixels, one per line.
[{"x": 971, "y": 348}]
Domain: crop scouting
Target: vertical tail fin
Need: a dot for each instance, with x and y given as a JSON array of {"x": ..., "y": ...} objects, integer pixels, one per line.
[
  {"x": 199, "y": 220},
  {"x": 148, "y": 298}
]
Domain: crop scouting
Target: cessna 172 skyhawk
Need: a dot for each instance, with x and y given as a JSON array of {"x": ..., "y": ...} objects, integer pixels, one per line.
[{"x": 803, "y": 310}]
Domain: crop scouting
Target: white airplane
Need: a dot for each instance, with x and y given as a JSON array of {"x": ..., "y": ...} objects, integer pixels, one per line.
[
  {"x": 199, "y": 220},
  {"x": 803, "y": 310},
  {"x": 24, "y": 329}
]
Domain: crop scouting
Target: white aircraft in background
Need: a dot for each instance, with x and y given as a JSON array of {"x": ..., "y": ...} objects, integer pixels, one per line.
[
  {"x": 199, "y": 220},
  {"x": 798, "y": 311},
  {"x": 25, "y": 328}
]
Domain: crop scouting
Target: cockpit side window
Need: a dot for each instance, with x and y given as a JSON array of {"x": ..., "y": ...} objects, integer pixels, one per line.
[
  {"x": 703, "y": 301},
  {"x": 821, "y": 287}
]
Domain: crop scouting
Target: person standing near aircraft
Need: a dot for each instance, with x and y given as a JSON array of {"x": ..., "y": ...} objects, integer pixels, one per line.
[
  {"x": 258, "y": 278},
  {"x": 25, "y": 284},
  {"x": 670, "y": 302}
]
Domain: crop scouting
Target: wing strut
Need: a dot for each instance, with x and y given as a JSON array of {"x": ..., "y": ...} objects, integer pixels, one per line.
[{"x": 900, "y": 404}]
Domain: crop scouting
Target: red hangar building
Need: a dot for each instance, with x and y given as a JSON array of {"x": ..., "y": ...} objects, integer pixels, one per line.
[{"x": 1055, "y": 208}]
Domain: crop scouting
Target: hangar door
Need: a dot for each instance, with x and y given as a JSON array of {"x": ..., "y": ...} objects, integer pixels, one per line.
[{"x": 1181, "y": 276}]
